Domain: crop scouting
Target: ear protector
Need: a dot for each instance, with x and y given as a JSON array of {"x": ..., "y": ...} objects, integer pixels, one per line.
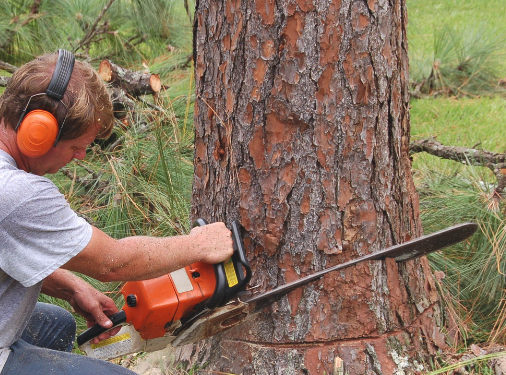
[{"x": 38, "y": 130}]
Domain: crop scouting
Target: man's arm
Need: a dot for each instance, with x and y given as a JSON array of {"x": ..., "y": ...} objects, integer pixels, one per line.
[{"x": 141, "y": 257}]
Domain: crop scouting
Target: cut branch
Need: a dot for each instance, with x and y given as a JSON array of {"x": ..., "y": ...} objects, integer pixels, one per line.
[{"x": 133, "y": 83}]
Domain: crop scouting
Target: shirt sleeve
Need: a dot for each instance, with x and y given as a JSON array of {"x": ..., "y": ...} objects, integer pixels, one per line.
[{"x": 40, "y": 234}]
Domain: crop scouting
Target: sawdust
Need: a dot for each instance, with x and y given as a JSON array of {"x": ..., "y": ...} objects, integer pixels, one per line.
[{"x": 156, "y": 363}]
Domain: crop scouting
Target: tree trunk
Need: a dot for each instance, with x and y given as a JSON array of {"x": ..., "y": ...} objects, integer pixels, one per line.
[{"x": 302, "y": 133}]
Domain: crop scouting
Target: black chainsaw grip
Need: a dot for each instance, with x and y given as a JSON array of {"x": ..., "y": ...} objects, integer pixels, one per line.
[
  {"x": 240, "y": 262},
  {"x": 116, "y": 319}
]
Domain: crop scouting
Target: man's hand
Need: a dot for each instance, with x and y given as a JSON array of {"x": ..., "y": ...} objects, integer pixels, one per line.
[
  {"x": 95, "y": 307},
  {"x": 213, "y": 242}
]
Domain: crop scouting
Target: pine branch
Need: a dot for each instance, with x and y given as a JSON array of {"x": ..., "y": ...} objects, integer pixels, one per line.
[
  {"x": 494, "y": 161},
  {"x": 34, "y": 13},
  {"x": 92, "y": 31},
  {"x": 35, "y": 6},
  {"x": 469, "y": 156}
]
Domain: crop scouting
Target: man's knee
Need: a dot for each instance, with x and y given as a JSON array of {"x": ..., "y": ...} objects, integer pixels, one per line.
[
  {"x": 51, "y": 327},
  {"x": 28, "y": 359}
]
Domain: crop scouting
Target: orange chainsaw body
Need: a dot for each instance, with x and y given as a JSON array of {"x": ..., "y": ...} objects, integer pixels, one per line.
[
  {"x": 160, "y": 306},
  {"x": 152, "y": 305}
]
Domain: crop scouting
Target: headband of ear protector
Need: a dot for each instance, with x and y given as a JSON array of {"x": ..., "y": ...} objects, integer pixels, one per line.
[{"x": 38, "y": 130}]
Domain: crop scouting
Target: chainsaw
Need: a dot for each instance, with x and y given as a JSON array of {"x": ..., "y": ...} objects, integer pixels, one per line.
[{"x": 202, "y": 300}]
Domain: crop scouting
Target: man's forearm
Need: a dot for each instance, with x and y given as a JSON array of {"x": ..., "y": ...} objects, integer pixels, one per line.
[
  {"x": 62, "y": 284},
  {"x": 142, "y": 257}
]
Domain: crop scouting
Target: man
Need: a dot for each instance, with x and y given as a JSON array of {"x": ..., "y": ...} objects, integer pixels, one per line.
[{"x": 42, "y": 239}]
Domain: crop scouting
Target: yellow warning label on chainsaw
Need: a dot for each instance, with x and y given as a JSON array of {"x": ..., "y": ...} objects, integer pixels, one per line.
[
  {"x": 230, "y": 273},
  {"x": 111, "y": 340}
]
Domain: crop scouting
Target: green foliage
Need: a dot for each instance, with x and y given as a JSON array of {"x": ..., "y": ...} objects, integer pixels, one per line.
[
  {"x": 466, "y": 56},
  {"x": 457, "y": 48},
  {"x": 466, "y": 62},
  {"x": 148, "y": 183},
  {"x": 474, "y": 271},
  {"x": 477, "y": 365},
  {"x": 126, "y": 31}
]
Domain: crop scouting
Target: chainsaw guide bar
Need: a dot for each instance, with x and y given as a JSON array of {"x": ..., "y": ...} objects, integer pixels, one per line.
[{"x": 406, "y": 251}]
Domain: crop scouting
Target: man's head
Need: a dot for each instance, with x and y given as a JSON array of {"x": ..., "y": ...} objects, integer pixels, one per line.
[{"x": 86, "y": 98}]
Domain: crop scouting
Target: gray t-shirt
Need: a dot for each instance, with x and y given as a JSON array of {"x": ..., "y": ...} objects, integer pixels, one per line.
[{"x": 39, "y": 232}]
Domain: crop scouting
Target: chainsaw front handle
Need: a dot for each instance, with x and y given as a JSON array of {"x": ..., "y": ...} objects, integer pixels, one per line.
[
  {"x": 241, "y": 264},
  {"x": 224, "y": 291},
  {"x": 117, "y": 319}
]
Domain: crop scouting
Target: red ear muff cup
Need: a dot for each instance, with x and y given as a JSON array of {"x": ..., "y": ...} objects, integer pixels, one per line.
[{"x": 37, "y": 133}]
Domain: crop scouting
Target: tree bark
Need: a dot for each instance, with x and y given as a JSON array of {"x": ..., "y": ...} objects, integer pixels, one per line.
[{"x": 302, "y": 133}]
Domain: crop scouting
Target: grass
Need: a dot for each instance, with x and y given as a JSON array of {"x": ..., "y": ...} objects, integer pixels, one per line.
[
  {"x": 466, "y": 122},
  {"x": 426, "y": 16}
]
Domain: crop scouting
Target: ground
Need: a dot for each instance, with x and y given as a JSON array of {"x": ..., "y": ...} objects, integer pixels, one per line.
[{"x": 157, "y": 363}]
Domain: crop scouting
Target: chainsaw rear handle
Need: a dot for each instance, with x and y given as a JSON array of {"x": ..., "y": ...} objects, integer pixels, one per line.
[
  {"x": 223, "y": 292},
  {"x": 117, "y": 319}
]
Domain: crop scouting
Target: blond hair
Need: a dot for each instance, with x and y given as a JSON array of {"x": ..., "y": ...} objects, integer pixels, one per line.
[{"x": 86, "y": 97}]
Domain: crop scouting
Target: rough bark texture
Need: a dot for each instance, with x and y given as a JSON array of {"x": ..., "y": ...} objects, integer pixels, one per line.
[{"x": 302, "y": 133}]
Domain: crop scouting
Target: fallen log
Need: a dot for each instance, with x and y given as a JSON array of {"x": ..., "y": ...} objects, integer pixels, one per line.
[{"x": 133, "y": 83}]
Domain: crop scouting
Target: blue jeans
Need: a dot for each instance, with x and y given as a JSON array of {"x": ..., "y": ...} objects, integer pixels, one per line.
[{"x": 45, "y": 346}]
